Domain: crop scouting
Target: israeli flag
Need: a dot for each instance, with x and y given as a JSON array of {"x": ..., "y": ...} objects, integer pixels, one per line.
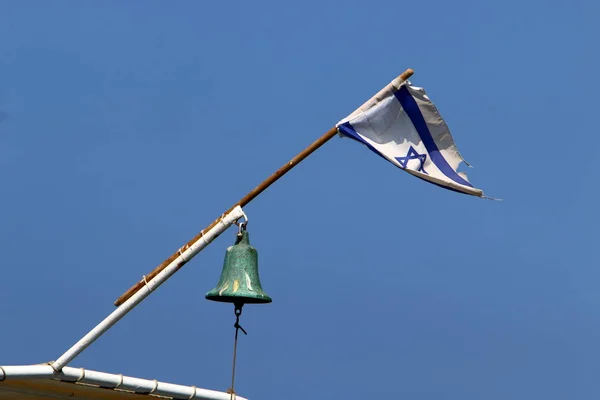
[{"x": 403, "y": 126}]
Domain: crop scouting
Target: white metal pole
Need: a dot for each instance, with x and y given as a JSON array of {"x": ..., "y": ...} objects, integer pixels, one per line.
[{"x": 152, "y": 284}]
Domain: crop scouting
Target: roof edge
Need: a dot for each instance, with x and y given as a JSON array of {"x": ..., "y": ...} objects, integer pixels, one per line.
[{"x": 111, "y": 381}]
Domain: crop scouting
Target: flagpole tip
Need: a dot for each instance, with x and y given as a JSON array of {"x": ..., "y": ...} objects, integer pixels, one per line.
[{"x": 407, "y": 74}]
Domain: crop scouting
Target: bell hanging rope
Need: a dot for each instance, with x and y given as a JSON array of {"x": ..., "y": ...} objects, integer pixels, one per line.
[{"x": 239, "y": 284}]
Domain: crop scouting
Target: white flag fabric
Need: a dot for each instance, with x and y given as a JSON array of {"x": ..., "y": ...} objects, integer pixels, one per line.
[{"x": 403, "y": 126}]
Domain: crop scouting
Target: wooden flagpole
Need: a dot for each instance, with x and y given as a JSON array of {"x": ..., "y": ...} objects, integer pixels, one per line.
[{"x": 244, "y": 201}]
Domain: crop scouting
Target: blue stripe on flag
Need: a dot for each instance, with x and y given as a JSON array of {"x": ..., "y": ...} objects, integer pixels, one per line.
[{"x": 412, "y": 110}]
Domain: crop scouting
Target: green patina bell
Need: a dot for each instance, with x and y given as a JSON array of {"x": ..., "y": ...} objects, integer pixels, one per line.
[{"x": 239, "y": 282}]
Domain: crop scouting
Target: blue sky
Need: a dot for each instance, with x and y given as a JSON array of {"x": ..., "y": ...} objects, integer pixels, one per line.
[{"x": 131, "y": 126}]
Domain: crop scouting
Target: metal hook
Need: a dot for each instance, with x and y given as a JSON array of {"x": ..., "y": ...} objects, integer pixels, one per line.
[{"x": 242, "y": 225}]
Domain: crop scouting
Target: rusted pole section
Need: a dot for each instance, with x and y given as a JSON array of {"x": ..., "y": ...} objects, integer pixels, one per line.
[{"x": 245, "y": 200}]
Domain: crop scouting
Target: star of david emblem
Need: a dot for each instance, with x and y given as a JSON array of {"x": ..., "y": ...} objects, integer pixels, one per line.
[{"x": 413, "y": 155}]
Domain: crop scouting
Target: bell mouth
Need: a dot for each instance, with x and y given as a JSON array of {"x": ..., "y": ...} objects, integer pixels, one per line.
[{"x": 239, "y": 300}]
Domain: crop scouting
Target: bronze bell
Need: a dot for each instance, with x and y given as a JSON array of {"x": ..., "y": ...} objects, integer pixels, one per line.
[{"x": 239, "y": 282}]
